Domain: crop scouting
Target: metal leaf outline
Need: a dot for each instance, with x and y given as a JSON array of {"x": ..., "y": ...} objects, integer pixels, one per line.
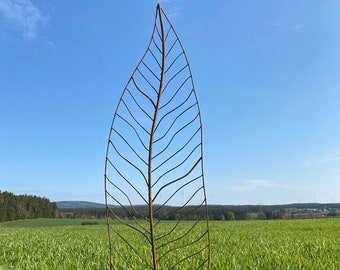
[{"x": 154, "y": 164}]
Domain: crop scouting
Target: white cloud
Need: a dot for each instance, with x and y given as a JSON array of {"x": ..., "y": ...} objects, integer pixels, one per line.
[
  {"x": 253, "y": 184},
  {"x": 22, "y": 16}
]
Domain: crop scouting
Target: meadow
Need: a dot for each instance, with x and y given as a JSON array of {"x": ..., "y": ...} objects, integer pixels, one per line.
[{"x": 276, "y": 244}]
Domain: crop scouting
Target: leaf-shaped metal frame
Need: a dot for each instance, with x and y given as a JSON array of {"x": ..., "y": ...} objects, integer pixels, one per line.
[{"x": 157, "y": 214}]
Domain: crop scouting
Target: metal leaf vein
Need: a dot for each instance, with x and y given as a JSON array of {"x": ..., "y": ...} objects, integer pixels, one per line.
[{"x": 154, "y": 164}]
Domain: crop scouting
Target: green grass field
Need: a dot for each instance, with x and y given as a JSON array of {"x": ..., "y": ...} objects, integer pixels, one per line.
[{"x": 282, "y": 244}]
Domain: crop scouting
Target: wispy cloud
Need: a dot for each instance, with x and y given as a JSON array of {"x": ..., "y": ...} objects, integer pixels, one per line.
[
  {"x": 51, "y": 44},
  {"x": 294, "y": 28},
  {"x": 170, "y": 7},
  {"x": 253, "y": 184},
  {"x": 22, "y": 16},
  {"x": 329, "y": 157}
]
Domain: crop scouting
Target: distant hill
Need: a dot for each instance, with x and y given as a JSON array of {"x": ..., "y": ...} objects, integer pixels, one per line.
[{"x": 78, "y": 204}]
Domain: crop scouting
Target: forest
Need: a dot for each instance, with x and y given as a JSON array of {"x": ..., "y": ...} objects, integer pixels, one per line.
[{"x": 13, "y": 207}]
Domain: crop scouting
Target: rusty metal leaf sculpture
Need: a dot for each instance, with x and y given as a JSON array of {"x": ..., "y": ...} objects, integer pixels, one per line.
[{"x": 154, "y": 182}]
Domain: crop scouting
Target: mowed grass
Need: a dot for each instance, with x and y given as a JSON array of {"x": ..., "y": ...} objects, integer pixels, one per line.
[{"x": 281, "y": 244}]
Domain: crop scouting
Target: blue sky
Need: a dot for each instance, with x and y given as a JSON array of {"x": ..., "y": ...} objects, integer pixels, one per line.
[{"x": 266, "y": 75}]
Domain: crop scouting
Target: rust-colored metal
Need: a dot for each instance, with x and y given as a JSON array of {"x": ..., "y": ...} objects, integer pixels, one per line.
[{"x": 157, "y": 214}]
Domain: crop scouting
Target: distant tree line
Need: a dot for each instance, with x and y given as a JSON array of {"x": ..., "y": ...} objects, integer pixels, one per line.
[
  {"x": 166, "y": 213},
  {"x": 216, "y": 212},
  {"x": 13, "y": 207},
  {"x": 84, "y": 213}
]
